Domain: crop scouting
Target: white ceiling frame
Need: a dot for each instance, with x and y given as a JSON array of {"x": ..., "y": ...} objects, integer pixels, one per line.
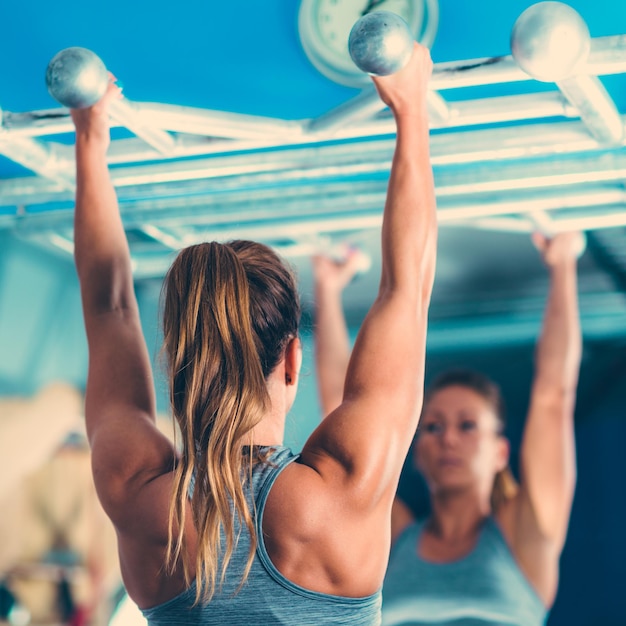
[
  {"x": 469, "y": 113},
  {"x": 41, "y": 158},
  {"x": 128, "y": 115},
  {"x": 608, "y": 217},
  {"x": 169, "y": 224},
  {"x": 301, "y": 164},
  {"x": 291, "y": 182}
]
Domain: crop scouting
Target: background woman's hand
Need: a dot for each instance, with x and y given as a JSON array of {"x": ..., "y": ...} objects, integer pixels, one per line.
[
  {"x": 563, "y": 248},
  {"x": 336, "y": 274}
]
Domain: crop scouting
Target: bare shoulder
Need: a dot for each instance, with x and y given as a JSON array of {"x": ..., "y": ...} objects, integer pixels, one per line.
[
  {"x": 316, "y": 539},
  {"x": 142, "y": 538}
]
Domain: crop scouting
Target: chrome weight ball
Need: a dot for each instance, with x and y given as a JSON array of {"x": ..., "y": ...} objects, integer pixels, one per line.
[
  {"x": 380, "y": 43},
  {"x": 550, "y": 41},
  {"x": 76, "y": 78}
]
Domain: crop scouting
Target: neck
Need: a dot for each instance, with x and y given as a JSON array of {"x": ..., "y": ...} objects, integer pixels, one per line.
[
  {"x": 457, "y": 514},
  {"x": 270, "y": 431}
]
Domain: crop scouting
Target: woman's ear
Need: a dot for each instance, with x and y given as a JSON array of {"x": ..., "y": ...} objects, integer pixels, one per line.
[
  {"x": 504, "y": 452},
  {"x": 293, "y": 361}
]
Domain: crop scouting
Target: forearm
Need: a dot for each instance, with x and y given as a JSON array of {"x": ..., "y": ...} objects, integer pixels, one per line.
[
  {"x": 560, "y": 344},
  {"x": 332, "y": 347},
  {"x": 409, "y": 230},
  {"x": 100, "y": 247}
]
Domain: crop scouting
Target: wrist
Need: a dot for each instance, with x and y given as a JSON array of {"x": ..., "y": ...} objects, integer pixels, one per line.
[
  {"x": 566, "y": 265},
  {"x": 411, "y": 114},
  {"x": 328, "y": 291},
  {"x": 89, "y": 144}
]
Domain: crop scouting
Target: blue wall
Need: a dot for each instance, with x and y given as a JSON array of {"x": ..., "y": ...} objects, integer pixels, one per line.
[{"x": 42, "y": 338}]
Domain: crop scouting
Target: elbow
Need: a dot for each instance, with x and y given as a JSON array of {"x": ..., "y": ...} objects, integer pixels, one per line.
[
  {"x": 554, "y": 397},
  {"x": 106, "y": 287}
]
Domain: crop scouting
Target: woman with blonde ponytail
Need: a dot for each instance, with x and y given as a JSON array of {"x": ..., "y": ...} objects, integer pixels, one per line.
[
  {"x": 230, "y": 527},
  {"x": 489, "y": 551}
]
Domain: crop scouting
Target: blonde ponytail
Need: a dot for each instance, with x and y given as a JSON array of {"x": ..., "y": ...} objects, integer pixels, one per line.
[{"x": 218, "y": 365}]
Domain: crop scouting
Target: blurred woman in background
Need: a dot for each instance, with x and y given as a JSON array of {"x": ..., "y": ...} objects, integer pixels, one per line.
[{"x": 489, "y": 551}]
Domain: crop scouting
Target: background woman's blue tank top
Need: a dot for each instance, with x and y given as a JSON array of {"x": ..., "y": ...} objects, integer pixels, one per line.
[
  {"x": 485, "y": 588},
  {"x": 267, "y": 598}
]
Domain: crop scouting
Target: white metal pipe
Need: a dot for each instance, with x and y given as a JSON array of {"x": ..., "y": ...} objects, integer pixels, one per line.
[
  {"x": 595, "y": 221},
  {"x": 365, "y": 106},
  {"x": 39, "y": 157},
  {"x": 127, "y": 115},
  {"x": 612, "y": 219},
  {"x": 501, "y": 224},
  {"x": 362, "y": 107},
  {"x": 209, "y": 124},
  {"x": 542, "y": 222},
  {"x": 529, "y": 203},
  {"x": 469, "y": 113},
  {"x": 235, "y": 173},
  {"x": 161, "y": 236},
  {"x": 607, "y": 56},
  {"x": 439, "y": 111},
  {"x": 310, "y": 203},
  {"x": 447, "y": 148},
  {"x": 62, "y": 243},
  {"x": 217, "y": 123},
  {"x": 491, "y": 177},
  {"x": 550, "y": 41},
  {"x": 596, "y": 107},
  {"x": 164, "y": 117}
]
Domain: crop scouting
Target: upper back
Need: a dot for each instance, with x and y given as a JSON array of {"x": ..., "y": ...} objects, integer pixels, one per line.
[
  {"x": 486, "y": 587},
  {"x": 266, "y": 597}
]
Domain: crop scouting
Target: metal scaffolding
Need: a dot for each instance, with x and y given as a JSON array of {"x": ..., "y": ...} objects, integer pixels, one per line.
[{"x": 192, "y": 174}]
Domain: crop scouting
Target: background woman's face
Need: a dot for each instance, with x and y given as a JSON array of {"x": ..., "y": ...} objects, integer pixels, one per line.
[{"x": 459, "y": 444}]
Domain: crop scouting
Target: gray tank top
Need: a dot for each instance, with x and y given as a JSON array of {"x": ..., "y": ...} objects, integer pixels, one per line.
[
  {"x": 485, "y": 588},
  {"x": 267, "y": 598}
]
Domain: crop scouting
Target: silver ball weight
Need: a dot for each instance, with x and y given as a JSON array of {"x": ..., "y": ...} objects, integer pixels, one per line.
[
  {"x": 380, "y": 43},
  {"x": 76, "y": 78},
  {"x": 549, "y": 41}
]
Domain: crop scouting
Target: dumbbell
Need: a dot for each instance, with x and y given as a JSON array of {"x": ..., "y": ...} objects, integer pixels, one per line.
[
  {"x": 380, "y": 43},
  {"x": 551, "y": 42},
  {"x": 76, "y": 78}
]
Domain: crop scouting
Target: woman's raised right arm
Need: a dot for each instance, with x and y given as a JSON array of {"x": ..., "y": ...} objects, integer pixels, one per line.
[{"x": 361, "y": 446}]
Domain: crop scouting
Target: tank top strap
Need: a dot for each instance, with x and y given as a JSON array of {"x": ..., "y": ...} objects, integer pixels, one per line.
[
  {"x": 264, "y": 479},
  {"x": 275, "y": 466}
]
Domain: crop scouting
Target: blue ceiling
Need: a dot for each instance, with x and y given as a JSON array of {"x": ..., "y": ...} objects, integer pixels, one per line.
[{"x": 236, "y": 55}]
